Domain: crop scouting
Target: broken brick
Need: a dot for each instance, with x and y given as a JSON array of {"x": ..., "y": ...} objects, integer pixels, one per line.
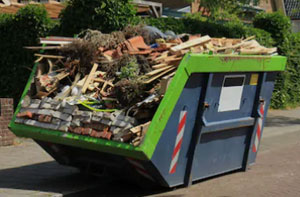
[
  {"x": 26, "y": 114},
  {"x": 138, "y": 43},
  {"x": 45, "y": 118}
]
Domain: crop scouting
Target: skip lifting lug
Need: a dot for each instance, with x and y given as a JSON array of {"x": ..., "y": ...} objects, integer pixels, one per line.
[
  {"x": 261, "y": 100},
  {"x": 205, "y": 105}
]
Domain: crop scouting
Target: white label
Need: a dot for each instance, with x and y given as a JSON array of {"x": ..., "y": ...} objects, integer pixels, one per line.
[{"x": 231, "y": 93}]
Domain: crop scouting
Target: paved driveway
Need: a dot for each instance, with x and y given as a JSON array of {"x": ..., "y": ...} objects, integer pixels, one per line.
[{"x": 26, "y": 170}]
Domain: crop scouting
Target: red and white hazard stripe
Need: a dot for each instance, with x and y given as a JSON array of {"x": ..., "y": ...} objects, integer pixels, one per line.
[
  {"x": 259, "y": 127},
  {"x": 140, "y": 168},
  {"x": 179, "y": 138}
]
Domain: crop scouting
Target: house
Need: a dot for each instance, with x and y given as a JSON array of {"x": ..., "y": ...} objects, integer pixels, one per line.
[
  {"x": 54, "y": 7},
  {"x": 148, "y": 8},
  {"x": 177, "y": 8},
  {"x": 292, "y": 10}
]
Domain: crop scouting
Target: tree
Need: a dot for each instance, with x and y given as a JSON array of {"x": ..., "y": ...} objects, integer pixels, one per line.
[
  {"x": 221, "y": 9},
  {"x": 103, "y": 15}
]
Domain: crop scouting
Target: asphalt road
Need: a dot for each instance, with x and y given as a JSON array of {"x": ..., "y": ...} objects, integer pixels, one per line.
[{"x": 26, "y": 170}]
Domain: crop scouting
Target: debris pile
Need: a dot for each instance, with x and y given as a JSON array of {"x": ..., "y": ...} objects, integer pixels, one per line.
[{"x": 110, "y": 85}]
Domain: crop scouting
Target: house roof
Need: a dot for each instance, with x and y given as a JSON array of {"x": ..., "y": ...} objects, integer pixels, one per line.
[
  {"x": 292, "y": 8},
  {"x": 53, "y": 8}
]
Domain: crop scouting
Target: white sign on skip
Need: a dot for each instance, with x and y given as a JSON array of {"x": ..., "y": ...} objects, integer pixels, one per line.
[{"x": 231, "y": 93}]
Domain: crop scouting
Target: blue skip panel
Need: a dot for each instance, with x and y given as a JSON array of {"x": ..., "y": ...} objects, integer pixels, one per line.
[
  {"x": 226, "y": 124},
  {"x": 220, "y": 152},
  {"x": 162, "y": 157},
  {"x": 219, "y": 114}
]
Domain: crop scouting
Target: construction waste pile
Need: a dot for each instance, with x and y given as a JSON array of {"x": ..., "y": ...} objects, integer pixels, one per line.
[{"x": 109, "y": 85}]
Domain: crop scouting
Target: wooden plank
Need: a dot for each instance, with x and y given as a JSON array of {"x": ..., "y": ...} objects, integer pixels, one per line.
[
  {"x": 65, "y": 94},
  {"x": 39, "y": 71},
  {"x": 190, "y": 43},
  {"x": 81, "y": 82},
  {"x": 258, "y": 51},
  {"x": 58, "y": 70},
  {"x": 62, "y": 75},
  {"x": 169, "y": 59},
  {"x": 6, "y": 2},
  {"x": 154, "y": 72},
  {"x": 50, "y": 66},
  {"x": 93, "y": 86},
  {"x": 136, "y": 142},
  {"x": 171, "y": 75},
  {"x": 49, "y": 56},
  {"x": 42, "y": 94},
  {"x": 39, "y": 59},
  {"x": 162, "y": 56},
  {"x": 249, "y": 38},
  {"x": 164, "y": 84},
  {"x": 43, "y": 48},
  {"x": 173, "y": 59},
  {"x": 158, "y": 66},
  {"x": 158, "y": 76},
  {"x": 198, "y": 49},
  {"x": 251, "y": 44},
  {"x": 271, "y": 50},
  {"x": 236, "y": 45},
  {"x": 140, "y": 128},
  {"x": 89, "y": 79},
  {"x": 103, "y": 81}
]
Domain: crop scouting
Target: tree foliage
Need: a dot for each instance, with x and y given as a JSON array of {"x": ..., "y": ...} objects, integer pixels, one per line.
[
  {"x": 287, "y": 87},
  {"x": 103, "y": 15},
  {"x": 275, "y": 23},
  {"x": 225, "y": 9}
]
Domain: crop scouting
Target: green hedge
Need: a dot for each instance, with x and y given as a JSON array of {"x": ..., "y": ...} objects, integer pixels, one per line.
[
  {"x": 212, "y": 28},
  {"x": 275, "y": 23},
  {"x": 287, "y": 89},
  {"x": 16, "y": 31},
  {"x": 169, "y": 23}
]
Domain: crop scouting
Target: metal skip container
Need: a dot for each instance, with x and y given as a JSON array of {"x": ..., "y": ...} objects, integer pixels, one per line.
[{"x": 209, "y": 122}]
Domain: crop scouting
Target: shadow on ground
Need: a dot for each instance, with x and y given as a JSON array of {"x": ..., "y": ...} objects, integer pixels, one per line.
[
  {"x": 54, "y": 178},
  {"x": 47, "y": 177},
  {"x": 281, "y": 121}
]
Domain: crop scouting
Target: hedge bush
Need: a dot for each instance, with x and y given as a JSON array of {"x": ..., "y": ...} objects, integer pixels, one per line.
[
  {"x": 262, "y": 36},
  {"x": 16, "y": 31},
  {"x": 287, "y": 86},
  {"x": 103, "y": 15},
  {"x": 193, "y": 25},
  {"x": 275, "y": 23},
  {"x": 169, "y": 23},
  {"x": 186, "y": 25},
  {"x": 287, "y": 89}
]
